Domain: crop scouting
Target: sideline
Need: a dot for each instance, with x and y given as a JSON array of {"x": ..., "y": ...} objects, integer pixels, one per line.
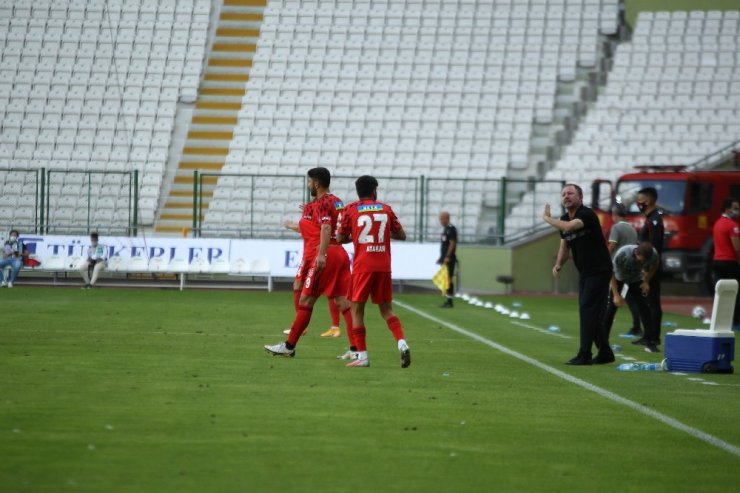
[{"x": 673, "y": 423}]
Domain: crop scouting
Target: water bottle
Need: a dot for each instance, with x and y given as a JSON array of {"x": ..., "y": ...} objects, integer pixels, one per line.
[
  {"x": 652, "y": 367},
  {"x": 553, "y": 328},
  {"x": 628, "y": 367},
  {"x": 616, "y": 348}
]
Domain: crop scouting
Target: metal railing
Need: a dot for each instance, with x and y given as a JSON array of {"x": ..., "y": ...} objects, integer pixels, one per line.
[
  {"x": 90, "y": 184},
  {"x": 14, "y": 202},
  {"x": 478, "y": 207},
  {"x": 82, "y": 196}
]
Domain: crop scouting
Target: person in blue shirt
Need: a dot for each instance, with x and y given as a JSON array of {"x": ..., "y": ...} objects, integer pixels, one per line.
[{"x": 14, "y": 251}]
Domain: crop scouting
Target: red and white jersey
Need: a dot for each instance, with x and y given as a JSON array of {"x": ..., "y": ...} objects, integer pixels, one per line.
[
  {"x": 370, "y": 224},
  {"x": 327, "y": 209},
  {"x": 309, "y": 232}
]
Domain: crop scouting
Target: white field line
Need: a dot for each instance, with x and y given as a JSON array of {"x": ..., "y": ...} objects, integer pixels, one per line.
[
  {"x": 667, "y": 420},
  {"x": 538, "y": 329}
]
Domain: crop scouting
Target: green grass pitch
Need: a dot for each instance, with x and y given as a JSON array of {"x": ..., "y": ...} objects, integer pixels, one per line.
[{"x": 122, "y": 390}]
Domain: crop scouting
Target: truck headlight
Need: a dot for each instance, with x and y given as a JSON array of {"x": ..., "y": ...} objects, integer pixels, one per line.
[{"x": 673, "y": 262}]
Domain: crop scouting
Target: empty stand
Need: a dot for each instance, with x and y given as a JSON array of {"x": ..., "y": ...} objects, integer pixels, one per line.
[
  {"x": 672, "y": 98},
  {"x": 90, "y": 85},
  {"x": 406, "y": 88}
]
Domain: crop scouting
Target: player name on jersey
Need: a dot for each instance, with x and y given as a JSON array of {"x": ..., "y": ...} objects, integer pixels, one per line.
[
  {"x": 375, "y": 249},
  {"x": 370, "y": 207}
]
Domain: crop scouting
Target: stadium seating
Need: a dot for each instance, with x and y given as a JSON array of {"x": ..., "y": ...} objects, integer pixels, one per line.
[
  {"x": 672, "y": 97},
  {"x": 400, "y": 89},
  {"x": 93, "y": 86},
  {"x": 454, "y": 90}
]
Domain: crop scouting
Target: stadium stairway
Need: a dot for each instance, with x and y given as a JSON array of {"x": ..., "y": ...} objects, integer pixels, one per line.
[{"x": 216, "y": 108}]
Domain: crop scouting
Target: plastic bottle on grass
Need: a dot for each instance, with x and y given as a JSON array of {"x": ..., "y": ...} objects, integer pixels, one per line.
[
  {"x": 652, "y": 367},
  {"x": 629, "y": 367}
]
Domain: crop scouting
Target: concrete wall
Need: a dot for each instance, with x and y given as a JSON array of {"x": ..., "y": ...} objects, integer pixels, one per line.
[
  {"x": 480, "y": 265},
  {"x": 633, "y": 7},
  {"x": 532, "y": 264},
  {"x": 529, "y": 263}
]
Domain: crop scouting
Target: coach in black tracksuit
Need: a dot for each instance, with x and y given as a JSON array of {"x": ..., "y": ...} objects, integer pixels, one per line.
[
  {"x": 448, "y": 253},
  {"x": 581, "y": 235},
  {"x": 652, "y": 231}
]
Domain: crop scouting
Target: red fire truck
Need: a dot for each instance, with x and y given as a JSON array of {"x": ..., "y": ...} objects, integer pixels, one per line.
[{"x": 690, "y": 201}]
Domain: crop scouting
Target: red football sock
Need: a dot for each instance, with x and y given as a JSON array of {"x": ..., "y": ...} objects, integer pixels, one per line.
[
  {"x": 296, "y": 299},
  {"x": 302, "y": 318},
  {"x": 348, "y": 321},
  {"x": 334, "y": 310},
  {"x": 395, "y": 325},
  {"x": 359, "y": 336}
]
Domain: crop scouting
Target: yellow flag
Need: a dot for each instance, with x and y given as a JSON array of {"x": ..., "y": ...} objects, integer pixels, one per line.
[{"x": 442, "y": 279}]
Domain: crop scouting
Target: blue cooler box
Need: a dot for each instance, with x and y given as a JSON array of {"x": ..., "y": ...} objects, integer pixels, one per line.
[{"x": 700, "y": 351}]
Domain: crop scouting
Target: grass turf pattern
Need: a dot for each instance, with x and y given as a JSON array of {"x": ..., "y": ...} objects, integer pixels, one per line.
[{"x": 142, "y": 390}]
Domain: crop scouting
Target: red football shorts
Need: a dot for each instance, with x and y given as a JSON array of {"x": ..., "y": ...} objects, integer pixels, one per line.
[
  {"x": 334, "y": 280},
  {"x": 302, "y": 271},
  {"x": 371, "y": 284}
]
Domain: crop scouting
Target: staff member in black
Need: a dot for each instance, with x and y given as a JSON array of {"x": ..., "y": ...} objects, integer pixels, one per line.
[
  {"x": 448, "y": 247},
  {"x": 653, "y": 232},
  {"x": 580, "y": 234}
]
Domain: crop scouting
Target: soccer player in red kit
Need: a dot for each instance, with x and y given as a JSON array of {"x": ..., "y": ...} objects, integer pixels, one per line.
[
  {"x": 371, "y": 225},
  {"x": 328, "y": 269},
  {"x": 309, "y": 254}
]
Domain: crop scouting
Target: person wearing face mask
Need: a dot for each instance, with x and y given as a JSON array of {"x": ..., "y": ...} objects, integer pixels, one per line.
[
  {"x": 725, "y": 263},
  {"x": 14, "y": 251},
  {"x": 95, "y": 263},
  {"x": 652, "y": 231}
]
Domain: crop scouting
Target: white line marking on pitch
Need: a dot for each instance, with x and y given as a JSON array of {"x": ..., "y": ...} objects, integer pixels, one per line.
[
  {"x": 673, "y": 423},
  {"x": 544, "y": 331}
]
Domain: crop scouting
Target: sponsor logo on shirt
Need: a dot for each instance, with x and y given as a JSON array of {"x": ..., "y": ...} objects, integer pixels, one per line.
[{"x": 370, "y": 207}]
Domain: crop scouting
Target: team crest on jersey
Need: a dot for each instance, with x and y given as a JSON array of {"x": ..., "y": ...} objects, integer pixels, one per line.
[
  {"x": 370, "y": 208},
  {"x": 339, "y": 205}
]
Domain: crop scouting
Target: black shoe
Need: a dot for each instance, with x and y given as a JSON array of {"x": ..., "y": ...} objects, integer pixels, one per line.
[
  {"x": 603, "y": 358},
  {"x": 640, "y": 342},
  {"x": 634, "y": 332},
  {"x": 87, "y": 286},
  {"x": 405, "y": 358},
  {"x": 651, "y": 347},
  {"x": 446, "y": 304},
  {"x": 579, "y": 360}
]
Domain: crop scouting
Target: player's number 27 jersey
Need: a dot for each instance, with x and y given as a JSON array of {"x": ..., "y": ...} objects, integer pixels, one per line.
[{"x": 370, "y": 223}]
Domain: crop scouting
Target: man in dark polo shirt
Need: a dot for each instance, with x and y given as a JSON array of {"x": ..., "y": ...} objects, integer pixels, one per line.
[
  {"x": 447, "y": 253},
  {"x": 653, "y": 232},
  {"x": 581, "y": 237}
]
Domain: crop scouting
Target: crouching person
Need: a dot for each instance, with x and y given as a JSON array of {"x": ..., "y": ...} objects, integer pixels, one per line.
[{"x": 95, "y": 263}]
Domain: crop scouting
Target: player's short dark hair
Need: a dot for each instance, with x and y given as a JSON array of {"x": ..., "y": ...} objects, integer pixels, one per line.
[
  {"x": 579, "y": 190},
  {"x": 321, "y": 175},
  {"x": 650, "y": 192},
  {"x": 727, "y": 203},
  {"x": 94, "y": 236},
  {"x": 365, "y": 186},
  {"x": 644, "y": 249},
  {"x": 15, "y": 231},
  {"x": 620, "y": 210}
]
